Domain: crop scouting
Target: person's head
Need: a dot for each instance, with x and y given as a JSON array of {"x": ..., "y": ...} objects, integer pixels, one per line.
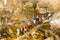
[{"x": 37, "y": 16}]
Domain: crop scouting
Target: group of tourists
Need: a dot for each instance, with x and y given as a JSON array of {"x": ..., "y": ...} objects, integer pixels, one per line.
[{"x": 29, "y": 25}]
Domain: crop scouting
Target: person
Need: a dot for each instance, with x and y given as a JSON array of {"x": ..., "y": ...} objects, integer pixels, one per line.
[
  {"x": 30, "y": 24},
  {"x": 25, "y": 27},
  {"x": 18, "y": 31},
  {"x": 36, "y": 20},
  {"x": 22, "y": 30},
  {"x": 40, "y": 18}
]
